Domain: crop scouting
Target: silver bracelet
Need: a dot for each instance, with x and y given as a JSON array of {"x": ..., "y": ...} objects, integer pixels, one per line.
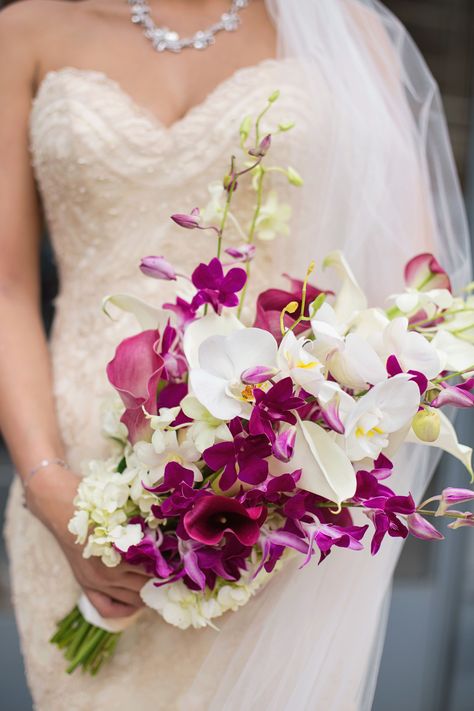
[{"x": 42, "y": 465}]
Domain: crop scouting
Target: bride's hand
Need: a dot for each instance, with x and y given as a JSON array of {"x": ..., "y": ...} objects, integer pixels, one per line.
[{"x": 114, "y": 592}]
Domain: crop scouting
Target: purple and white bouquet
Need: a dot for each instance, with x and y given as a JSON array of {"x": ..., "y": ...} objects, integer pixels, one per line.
[{"x": 238, "y": 446}]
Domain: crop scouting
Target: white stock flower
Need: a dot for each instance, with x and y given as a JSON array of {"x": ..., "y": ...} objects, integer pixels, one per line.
[
  {"x": 273, "y": 219},
  {"x": 181, "y": 607},
  {"x": 79, "y": 526},
  {"x": 160, "y": 424},
  {"x": 112, "y": 410},
  {"x": 205, "y": 429},
  {"x": 172, "y": 447}
]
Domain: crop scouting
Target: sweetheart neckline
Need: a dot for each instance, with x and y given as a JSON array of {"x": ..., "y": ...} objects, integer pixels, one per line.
[{"x": 145, "y": 112}]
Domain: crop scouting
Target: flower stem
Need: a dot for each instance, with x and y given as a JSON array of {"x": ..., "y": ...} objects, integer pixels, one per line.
[{"x": 251, "y": 234}]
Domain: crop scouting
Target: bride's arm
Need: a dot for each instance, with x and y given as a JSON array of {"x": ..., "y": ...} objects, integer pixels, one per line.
[{"x": 28, "y": 419}]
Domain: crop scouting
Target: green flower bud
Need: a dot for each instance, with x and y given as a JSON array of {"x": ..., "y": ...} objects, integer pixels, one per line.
[
  {"x": 294, "y": 178},
  {"x": 245, "y": 128},
  {"x": 286, "y": 125},
  {"x": 427, "y": 425},
  {"x": 273, "y": 97}
]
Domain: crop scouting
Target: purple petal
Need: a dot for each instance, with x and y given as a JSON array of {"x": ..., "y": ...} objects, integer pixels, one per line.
[{"x": 421, "y": 528}]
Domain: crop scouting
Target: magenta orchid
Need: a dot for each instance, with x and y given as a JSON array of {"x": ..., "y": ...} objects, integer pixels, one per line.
[{"x": 216, "y": 288}]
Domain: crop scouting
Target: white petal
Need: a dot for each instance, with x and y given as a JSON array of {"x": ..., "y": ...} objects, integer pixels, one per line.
[
  {"x": 214, "y": 358},
  {"x": 448, "y": 442},
  {"x": 211, "y": 391},
  {"x": 350, "y": 297},
  {"x": 149, "y": 317},
  {"x": 250, "y": 347},
  {"x": 458, "y": 354},
  {"x": 363, "y": 358},
  {"x": 201, "y": 329},
  {"x": 326, "y": 470}
]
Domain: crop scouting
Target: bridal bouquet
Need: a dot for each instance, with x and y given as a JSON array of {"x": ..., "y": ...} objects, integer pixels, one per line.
[{"x": 235, "y": 447}]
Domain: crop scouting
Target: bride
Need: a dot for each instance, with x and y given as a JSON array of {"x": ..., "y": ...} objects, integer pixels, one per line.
[{"x": 107, "y": 134}]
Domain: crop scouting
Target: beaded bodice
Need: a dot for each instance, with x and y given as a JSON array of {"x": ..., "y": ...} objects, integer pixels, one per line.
[{"x": 110, "y": 175}]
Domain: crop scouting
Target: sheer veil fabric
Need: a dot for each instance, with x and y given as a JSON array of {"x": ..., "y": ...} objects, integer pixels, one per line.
[{"x": 382, "y": 186}]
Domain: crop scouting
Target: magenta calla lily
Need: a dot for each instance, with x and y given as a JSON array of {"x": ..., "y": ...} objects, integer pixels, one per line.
[
  {"x": 135, "y": 372},
  {"x": 424, "y": 272},
  {"x": 213, "y": 516}
]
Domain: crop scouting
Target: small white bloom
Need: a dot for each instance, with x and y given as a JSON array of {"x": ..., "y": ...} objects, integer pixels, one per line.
[
  {"x": 125, "y": 536},
  {"x": 205, "y": 429},
  {"x": 297, "y": 360},
  {"x": 79, "y": 526},
  {"x": 273, "y": 218},
  {"x": 112, "y": 410},
  {"x": 173, "y": 447}
]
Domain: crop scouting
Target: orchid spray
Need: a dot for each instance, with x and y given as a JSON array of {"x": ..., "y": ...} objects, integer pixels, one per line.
[{"x": 238, "y": 446}]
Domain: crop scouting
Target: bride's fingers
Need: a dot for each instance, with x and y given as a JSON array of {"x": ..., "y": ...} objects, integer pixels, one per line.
[
  {"x": 136, "y": 570},
  {"x": 107, "y": 606}
]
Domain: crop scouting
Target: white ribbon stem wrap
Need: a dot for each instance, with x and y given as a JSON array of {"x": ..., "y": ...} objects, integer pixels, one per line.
[{"x": 90, "y": 614}]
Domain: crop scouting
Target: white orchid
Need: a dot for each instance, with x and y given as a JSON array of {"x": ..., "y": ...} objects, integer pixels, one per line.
[
  {"x": 412, "y": 350},
  {"x": 160, "y": 424},
  {"x": 386, "y": 409},
  {"x": 273, "y": 219},
  {"x": 350, "y": 358},
  {"x": 217, "y": 382},
  {"x": 297, "y": 360},
  {"x": 203, "y": 328},
  {"x": 215, "y": 207},
  {"x": 205, "y": 429}
]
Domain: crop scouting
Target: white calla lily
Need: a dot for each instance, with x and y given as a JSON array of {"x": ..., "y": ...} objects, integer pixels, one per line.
[
  {"x": 148, "y": 316},
  {"x": 448, "y": 442},
  {"x": 350, "y": 296},
  {"x": 203, "y": 328},
  {"x": 217, "y": 381},
  {"x": 326, "y": 469}
]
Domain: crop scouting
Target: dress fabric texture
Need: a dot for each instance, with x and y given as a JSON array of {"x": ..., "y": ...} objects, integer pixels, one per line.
[{"x": 110, "y": 175}]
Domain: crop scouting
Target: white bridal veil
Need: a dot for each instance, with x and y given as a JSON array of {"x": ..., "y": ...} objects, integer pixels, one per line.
[{"x": 380, "y": 183}]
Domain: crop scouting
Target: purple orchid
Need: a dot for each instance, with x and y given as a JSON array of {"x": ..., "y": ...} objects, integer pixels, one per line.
[
  {"x": 459, "y": 395},
  {"x": 394, "y": 368},
  {"x": 244, "y": 253},
  {"x": 272, "y": 407},
  {"x": 175, "y": 365},
  {"x": 244, "y": 458},
  {"x": 184, "y": 312},
  {"x": 135, "y": 372},
  {"x": 216, "y": 288},
  {"x": 421, "y": 528},
  {"x": 189, "y": 222}
]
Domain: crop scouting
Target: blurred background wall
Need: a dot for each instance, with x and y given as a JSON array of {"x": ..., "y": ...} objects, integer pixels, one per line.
[{"x": 428, "y": 661}]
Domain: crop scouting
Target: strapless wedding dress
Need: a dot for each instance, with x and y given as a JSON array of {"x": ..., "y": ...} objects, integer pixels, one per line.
[{"x": 110, "y": 174}]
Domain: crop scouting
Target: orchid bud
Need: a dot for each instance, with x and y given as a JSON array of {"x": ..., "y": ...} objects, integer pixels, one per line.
[
  {"x": 263, "y": 147},
  {"x": 245, "y": 128},
  {"x": 456, "y": 395},
  {"x": 286, "y": 126},
  {"x": 451, "y": 496},
  {"x": 258, "y": 374},
  {"x": 421, "y": 528},
  {"x": 427, "y": 425},
  {"x": 230, "y": 182},
  {"x": 466, "y": 518},
  {"x": 331, "y": 416},
  {"x": 273, "y": 97},
  {"x": 189, "y": 222},
  {"x": 284, "y": 444},
  {"x": 294, "y": 178},
  {"x": 157, "y": 268},
  {"x": 244, "y": 253}
]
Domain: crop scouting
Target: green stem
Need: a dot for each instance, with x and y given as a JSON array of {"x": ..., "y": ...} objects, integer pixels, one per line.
[
  {"x": 251, "y": 235},
  {"x": 453, "y": 375}
]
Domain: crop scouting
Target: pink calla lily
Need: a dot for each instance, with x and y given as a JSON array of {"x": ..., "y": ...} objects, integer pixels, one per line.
[
  {"x": 424, "y": 272},
  {"x": 135, "y": 372}
]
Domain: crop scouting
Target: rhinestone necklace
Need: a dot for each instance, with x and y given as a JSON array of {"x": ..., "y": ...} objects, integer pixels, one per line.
[{"x": 162, "y": 38}]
